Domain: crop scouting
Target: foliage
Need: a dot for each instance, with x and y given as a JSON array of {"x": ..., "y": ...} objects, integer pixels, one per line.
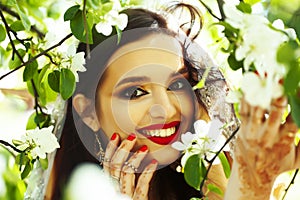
[{"x": 49, "y": 64}]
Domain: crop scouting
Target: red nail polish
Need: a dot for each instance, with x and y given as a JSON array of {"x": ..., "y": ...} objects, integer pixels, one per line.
[
  {"x": 143, "y": 148},
  {"x": 131, "y": 137},
  {"x": 114, "y": 136},
  {"x": 153, "y": 161}
]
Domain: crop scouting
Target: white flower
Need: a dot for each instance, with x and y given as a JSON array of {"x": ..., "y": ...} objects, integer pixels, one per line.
[
  {"x": 260, "y": 91},
  {"x": 258, "y": 49},
  {"x": 278, "y": 23},
  {"x": 207, "y": 138},
  {"x": 74, "y": 61},
  {"x": 89, "y": 181},
  {"x": 41, "y": 141},
  {"x": 112, "y": 18}
]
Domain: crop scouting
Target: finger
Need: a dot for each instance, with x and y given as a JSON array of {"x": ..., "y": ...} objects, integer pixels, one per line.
[
  {"x": 120, "y": 155},
  {"x": 245, "y": 110},
  {"x": 142, "y": 188},
  {"x": 274, "y": 120},
  {"x": 110, "y": 150},
  {"x": 277, "y": 110},
  {"x": 127, "y": 179},
  {"x": 256, "y": 118}
]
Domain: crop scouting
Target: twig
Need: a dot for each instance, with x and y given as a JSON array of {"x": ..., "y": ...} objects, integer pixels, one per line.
[
  {"x": 210, "y": 11},
  {"x": 37, "y": 56},
  {"x": 16, "y": 15},
  {"x": 290, "y": 184},
  {"x": 15, "y": 51},
  {"x": 220, "y": 5},
  {"x": 9, "y": 145},
  {"x": 215, "y": 156},
  {"x": 86, "y": 30}
]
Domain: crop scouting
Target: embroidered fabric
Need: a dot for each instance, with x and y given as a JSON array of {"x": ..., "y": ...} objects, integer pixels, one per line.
[
  {"x": 213, "y": 94},
  {"x": 38, "y": 178}
]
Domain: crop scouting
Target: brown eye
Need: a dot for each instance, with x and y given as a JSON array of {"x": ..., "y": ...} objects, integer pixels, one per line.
[{"x": 133, "y": 93}]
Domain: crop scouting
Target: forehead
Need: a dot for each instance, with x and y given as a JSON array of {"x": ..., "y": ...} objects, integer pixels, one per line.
[{"x": 157, "y": 52}]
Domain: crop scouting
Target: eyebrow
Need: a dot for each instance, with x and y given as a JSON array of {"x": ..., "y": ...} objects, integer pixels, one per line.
[
  {"x": 133, "y": 79},
  {"x": 137, "y": 79}
]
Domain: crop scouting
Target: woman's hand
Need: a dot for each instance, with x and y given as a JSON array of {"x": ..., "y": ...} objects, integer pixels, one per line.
[
  {"x": 122, "y": 165},
  {"x": 264, "y": 148}
]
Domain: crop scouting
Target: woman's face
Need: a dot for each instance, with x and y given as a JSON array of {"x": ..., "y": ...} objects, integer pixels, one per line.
[{"x": 144, "y": 91}]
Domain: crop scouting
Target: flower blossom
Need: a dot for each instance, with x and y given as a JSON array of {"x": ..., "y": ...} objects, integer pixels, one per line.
[
  {"x": 74, "y": 61},
  {"x": 206, "y": 140},
  {"x": 39, "y": 141},
  {"x": 112, "y": 18},
  {"x": 258, "y": 49},
  {"x": 259, "y": 91}
]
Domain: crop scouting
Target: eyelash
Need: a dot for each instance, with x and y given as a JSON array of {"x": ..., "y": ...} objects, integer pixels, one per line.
[{"x": 133, "y": 91}]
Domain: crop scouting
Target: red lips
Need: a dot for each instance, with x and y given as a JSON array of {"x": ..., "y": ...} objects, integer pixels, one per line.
[{"x": 162, "y": 140}]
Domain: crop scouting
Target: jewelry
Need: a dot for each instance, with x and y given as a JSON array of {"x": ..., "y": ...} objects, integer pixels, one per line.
[
  {"x": 131, "y": 166},
  {"x": 100, "y": 152},
  {"x": 115, "y": 177}
]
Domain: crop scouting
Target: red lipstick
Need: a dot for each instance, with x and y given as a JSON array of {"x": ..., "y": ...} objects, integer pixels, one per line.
[{"x": 159, "y": 139}]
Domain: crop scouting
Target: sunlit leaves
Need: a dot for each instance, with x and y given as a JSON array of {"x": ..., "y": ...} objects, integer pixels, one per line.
[
  {"x": 15, "y": 61},
  {"x": 71, "y": 12},
  {"x": 225, "y": 164},
  {"x": 67, "y": 83},
  {"x": 81, "y": 28},
  {"x": 2, "y": 33},
  {"x": 294, "y": 100},
  {"x": 30, "y": 70},
  {"x": 194, "y": 171}
]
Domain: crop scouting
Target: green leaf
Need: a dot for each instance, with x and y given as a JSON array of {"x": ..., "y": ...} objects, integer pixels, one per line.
[
  {"x": 78, "y": 28},
  {"x": 194, "y": 171},
  {"x": 67, "y": 83},
  {"x": 30, "y": 122},
  {"x": 27, "y": 169},
  {"x": 17, "y": 142},
  {"x": 24, "y": 17},
  {"x": 286, "y": 53},
  {"x": 21, "y": 159},
  {"x": 292, "y": 80},
  {"x": 44, "y": 163},
  {"x": 53, "y": 80},
  {"x": 233, "y": 63},
  {"x": 30, "y": 70},
  {"x": 2, "y": 33},
  {"x": 294, "y": 101},
  {"x": 71, "y": 12},
  {"x": 225, "y": 164},
  {"x": 215, "y": 189},
  {"x": 119, "y": 33},
  {"x": 16, "y": 62},
  {"x": 244, "y": 7},
  {"x": 17, "y": 26},
  {"x": 251, "y": 2}
]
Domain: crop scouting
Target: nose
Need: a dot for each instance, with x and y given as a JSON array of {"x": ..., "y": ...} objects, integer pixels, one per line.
[{"x": 164, "y": 104}]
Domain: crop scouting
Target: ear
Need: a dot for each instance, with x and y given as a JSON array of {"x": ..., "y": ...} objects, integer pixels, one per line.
[{"x": 86, "y": 111}]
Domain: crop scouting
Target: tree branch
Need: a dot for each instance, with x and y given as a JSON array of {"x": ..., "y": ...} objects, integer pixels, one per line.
[
  {"x": 9, "y": 145},
  {"x": 37, "y": 56},
  {"x": 210, "y": 11},
  {"x": 14, "y": 14},
  {"x": 290, "y": 184},
  {"x": 215, "y": 156}
]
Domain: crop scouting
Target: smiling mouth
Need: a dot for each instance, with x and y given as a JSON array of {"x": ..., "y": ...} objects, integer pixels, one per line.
[{"x": 161, "y": 133}]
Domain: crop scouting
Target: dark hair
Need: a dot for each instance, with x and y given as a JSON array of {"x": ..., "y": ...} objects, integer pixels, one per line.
[{"x": 166, "y": 183}]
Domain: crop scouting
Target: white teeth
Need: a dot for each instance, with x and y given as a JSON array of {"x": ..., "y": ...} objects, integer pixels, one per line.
[{"x": 160, "y": 132}]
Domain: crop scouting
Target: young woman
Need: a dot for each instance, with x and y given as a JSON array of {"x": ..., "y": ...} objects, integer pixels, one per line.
[{"x": 134, "y": 101}]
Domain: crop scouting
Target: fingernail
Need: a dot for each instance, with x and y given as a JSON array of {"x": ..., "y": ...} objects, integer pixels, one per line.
[
  {"x": 131, "y": 137},
  {"x": 114, "y": 136},
  {"x": 153, "y": 161},
  {"x": 143, "y": 148}
]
